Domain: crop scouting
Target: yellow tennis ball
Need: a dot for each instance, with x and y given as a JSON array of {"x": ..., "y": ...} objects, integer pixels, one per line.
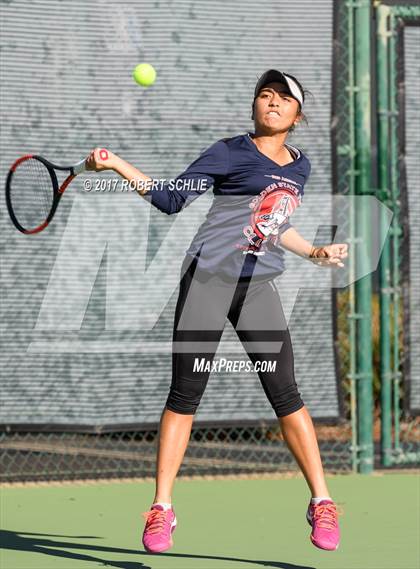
[{"x": 144, "y": 74}]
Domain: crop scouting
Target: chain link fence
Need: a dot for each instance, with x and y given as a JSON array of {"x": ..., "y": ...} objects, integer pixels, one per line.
[
  {"x": 235, "y": 448},
  {"x": 211, "y": 451}
]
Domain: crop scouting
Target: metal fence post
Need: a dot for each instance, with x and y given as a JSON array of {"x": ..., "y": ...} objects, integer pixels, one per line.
[
  {"x": 382, "y": 68},
  {"x": 364, "y": 372}
]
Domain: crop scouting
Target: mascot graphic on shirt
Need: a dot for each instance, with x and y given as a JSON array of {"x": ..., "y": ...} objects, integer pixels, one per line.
[{"x": 270, "y": 209}]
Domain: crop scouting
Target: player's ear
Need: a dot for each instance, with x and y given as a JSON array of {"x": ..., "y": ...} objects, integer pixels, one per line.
[{"x": 299, "y": 117}]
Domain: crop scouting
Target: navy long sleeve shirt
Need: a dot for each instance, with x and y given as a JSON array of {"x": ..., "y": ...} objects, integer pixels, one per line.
[{"x": 253, "y": 198}]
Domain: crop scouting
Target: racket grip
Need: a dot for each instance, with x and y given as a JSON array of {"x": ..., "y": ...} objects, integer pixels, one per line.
[{"x": 79, "y": 167}]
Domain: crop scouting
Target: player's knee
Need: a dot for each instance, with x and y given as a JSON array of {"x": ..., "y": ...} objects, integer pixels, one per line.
[
  {"x": 185, "y": 396},
  {"x": 287, "y": 401}
]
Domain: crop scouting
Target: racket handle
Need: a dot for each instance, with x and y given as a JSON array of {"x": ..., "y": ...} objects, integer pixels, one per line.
[{"x": 79, "y": 167}]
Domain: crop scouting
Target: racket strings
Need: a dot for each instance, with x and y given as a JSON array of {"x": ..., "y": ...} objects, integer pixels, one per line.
[{"x": 32, "y": 194}]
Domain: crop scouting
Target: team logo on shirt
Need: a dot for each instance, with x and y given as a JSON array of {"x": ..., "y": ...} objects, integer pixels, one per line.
[{"x": 270, "y": 209}]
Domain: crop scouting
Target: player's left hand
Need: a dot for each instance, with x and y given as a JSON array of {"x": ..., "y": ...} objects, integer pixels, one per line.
[{"x": 329, "y": 255}]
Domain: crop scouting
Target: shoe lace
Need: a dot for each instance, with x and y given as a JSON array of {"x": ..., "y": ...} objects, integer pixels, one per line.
[
  {"x": 326, "y": 515},
  {"x": 155, "y": 520}
]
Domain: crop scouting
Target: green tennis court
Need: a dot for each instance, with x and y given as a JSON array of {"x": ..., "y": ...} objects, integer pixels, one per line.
[{"x": 221, "y": 524}]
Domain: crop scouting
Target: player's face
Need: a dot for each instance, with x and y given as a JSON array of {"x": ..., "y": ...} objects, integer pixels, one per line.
[{"x": 274, "y": 109}]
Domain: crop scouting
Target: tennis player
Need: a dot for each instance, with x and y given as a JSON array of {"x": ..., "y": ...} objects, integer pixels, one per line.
[{"x": 258, "y": 181}]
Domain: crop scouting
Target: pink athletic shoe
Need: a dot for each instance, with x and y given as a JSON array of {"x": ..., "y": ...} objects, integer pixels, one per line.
[
  {"x": 160, "y": 523},
  {"x": 323, "y": 517}
]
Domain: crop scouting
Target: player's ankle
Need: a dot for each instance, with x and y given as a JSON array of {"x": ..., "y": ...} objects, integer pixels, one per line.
[
  {"x": 162, "y": 500},
  {"x": 165, "y": 505},
  {"x": 317, "y": 499}
]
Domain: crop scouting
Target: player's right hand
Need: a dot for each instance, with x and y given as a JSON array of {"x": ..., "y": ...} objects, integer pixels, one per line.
[{"x": 100, "y": 159}]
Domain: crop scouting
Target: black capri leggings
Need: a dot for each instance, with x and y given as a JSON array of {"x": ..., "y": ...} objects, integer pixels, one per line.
[{"x": 255, "y": 311}]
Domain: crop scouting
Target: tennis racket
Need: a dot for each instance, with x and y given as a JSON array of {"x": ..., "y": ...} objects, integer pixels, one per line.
[{"x": 33, "y": 192}]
